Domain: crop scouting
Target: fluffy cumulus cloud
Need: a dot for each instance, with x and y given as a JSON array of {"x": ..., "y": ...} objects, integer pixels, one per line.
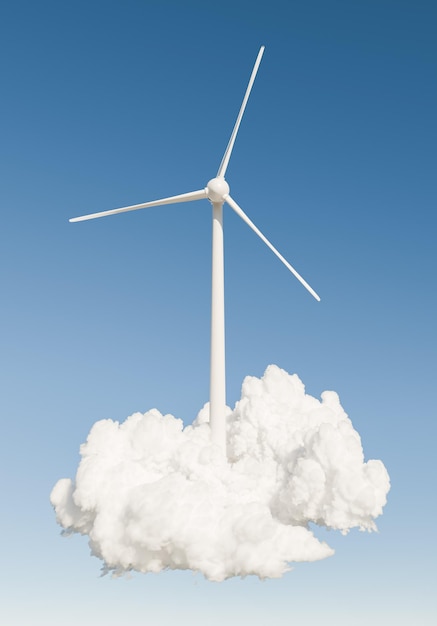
[{"x": 151, "y": 494}]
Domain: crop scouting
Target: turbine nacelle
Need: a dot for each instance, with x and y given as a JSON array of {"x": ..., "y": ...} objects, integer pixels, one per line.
[{"x": 217, "y": 190}]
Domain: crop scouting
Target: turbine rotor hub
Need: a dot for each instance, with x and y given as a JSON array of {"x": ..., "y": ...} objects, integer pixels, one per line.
[{"x": 217, "y": 189}]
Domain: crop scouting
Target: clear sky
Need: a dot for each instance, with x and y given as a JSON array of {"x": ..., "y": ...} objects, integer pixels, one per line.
[{"x": 105, "y": 104}]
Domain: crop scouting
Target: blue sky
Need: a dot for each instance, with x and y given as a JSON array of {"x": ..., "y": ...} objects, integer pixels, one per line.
[{"x": 108, "y": 103}]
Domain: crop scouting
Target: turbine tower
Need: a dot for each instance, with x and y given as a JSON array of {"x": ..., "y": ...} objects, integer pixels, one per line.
[{"x": 217, "y": 192}]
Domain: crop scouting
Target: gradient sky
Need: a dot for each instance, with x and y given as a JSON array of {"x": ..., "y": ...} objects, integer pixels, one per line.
[{"x": 105, "y": 104}]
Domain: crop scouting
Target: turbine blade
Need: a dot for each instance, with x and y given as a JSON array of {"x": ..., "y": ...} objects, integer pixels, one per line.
[
  {"x": 239, "y": 211},
  {"x": 227, "y": 155},
  {"x": 184, "y": 197}
]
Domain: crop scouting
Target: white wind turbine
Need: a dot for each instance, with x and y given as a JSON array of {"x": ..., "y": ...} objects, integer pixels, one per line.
[{"x": 217, "y": 192}]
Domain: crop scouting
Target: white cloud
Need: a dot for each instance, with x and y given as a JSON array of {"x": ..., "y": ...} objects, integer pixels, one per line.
[{"x": 151, "y": 494}]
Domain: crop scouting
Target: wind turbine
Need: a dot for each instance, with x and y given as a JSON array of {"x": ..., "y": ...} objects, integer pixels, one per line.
[{"x": 217, "y": 192}]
